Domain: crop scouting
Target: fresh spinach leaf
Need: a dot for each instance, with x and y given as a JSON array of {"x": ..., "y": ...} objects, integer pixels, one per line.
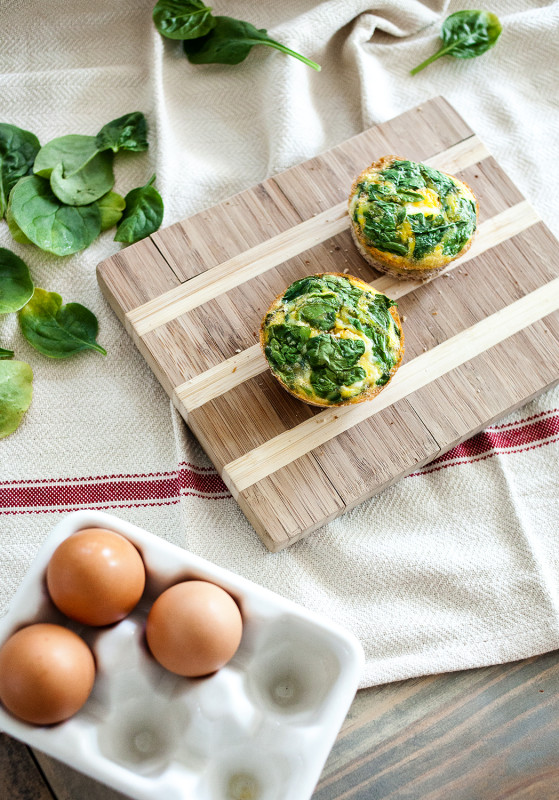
[
  {"x": 80, "y": 168},
  {"x": 16, "y": 233},
  {"x": 71, "y": 151},
  {"x": 86, "y": 184},
  {"x": 125, "y": 133},
  {"x": 183, "y": 19},
  {"x": 465, "y": 34},
  {"x": 143, "y": 214},
  {"x": 48, "y": 223},
  {"x": 111, "y": 206},
  {"x": 230, "y": 41},
  {"x": 79, "y": 173},
  {"x": 58, "y": 331},
  {"x": 16, "y": 392},
  {"x": 18, "y": 149},
  {"x": 6, "y": 353},
  {"x": 16, "y": 286}
]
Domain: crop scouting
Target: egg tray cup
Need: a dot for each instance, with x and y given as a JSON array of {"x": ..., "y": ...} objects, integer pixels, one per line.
[{"x": 259, "y": 728}]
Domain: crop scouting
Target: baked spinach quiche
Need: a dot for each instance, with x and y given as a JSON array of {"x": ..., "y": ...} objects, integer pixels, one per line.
[
  {"x": 410, "y": 220},
  {"x": 332, "y": 339}
]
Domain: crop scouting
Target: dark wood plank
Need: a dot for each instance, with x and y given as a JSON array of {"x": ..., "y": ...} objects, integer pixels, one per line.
[
  {"x": 20, "y": 777},
  {"x": 485, "y": 734}
]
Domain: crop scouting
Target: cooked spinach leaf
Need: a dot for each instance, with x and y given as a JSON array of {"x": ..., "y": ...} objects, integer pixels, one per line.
[
  {"x": 18, "y": 149},
  {"x": 125, "y": 133},
  {"x": 325, "y": 350},
  {"x": 321, "y": 312},
  {"x": 311, "y": 285},
  {"x": 48, "y": 223},
  {"x": 286, "y": 342},
  {"x": 379, "y": 310},
  {"x": 324, "y": 384},
  {"x": 16, "y": 286},
  {"x": 111, "y": 206},
  {"x": 58, "y": 331},
  {"x": 382, "y": 221},
  {"x": 465, "y": 34},
  {"x": 143, "y": 214},
  {"x": 183, "y": 19},
  {"x": 230, "y": 41},
  {"x": 16, "y": 392}
]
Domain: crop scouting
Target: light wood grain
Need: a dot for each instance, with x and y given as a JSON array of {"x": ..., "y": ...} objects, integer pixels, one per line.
[
  {"x": 423, "y": 370},
  {"x": 251, "y": 362},
  {"x": 253, "y": 262},
  {"x": 208, "y": 361}
]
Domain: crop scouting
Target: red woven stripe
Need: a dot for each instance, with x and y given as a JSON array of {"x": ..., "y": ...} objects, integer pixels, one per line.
[
  {"x": 165, "y": 488},
  {"x": 137, "y": 490},
  {"x": 500, "y": 439}
]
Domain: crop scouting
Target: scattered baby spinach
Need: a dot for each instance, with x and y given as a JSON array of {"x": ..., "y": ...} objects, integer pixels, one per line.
[
  {"x": 16, "y": 378},
  {"x": 80, "y": 168},
  {"x": 230, "y": 41},
  {"x": 465, "y": 34},
  {"x": 143, "y": 213},
  {"x": 71, "y": 151},
  {"x": 6, "y": 353},
  {"x": 125, "y": 133},
  {"x": 213, "y": 40},
  {"x": 18, "y": 149},
  {"x": 50, "y": 224},
  {"x": 56, "y": 330},
  {"x": 16, "y": 232},
  {"x": 183, "y": 19},
  {"x": 111, "y": 206},
  {"x": 85, "y": 184},
  {"x": 16, "y": 286},
  {"x": 68, "y": 200}
]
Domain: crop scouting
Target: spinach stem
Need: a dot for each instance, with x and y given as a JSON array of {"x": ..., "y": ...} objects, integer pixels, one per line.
[
  {"x": 284, "y": 49},
  {"x": 443, "y": 51}
]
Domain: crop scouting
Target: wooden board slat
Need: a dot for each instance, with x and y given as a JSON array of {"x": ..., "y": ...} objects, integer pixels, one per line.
[{"x": 193, "y": 295}]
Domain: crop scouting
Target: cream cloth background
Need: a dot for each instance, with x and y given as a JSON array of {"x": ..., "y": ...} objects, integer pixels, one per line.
[{"x": 448, "y": 569}]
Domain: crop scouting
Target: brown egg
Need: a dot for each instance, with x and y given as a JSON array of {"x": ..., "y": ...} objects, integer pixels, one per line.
[
  {"x": 96, "y": 576},
  {"x": 194, "y": 628},
  {"x": 46, "y": 673}
]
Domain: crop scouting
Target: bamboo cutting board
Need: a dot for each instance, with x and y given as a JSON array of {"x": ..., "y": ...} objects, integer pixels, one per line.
[{"x": 481, "y": 339}]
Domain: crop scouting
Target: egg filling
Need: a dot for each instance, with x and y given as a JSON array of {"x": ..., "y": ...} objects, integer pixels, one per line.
[
  {"x": 329, "y": 338},
  {"x": 413, "y": 211}
]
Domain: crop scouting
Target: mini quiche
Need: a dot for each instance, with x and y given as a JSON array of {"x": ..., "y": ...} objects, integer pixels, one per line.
[
  {"x": 410, "y": 220},
  {"x": 332, "y": 339}
]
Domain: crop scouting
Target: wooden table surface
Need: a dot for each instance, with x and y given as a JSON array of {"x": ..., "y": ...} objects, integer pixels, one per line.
[{"x": 485, "y": 734}]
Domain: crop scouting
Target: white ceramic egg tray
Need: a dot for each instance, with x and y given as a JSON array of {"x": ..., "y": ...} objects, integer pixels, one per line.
[{"x": 260, "y": 728}]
